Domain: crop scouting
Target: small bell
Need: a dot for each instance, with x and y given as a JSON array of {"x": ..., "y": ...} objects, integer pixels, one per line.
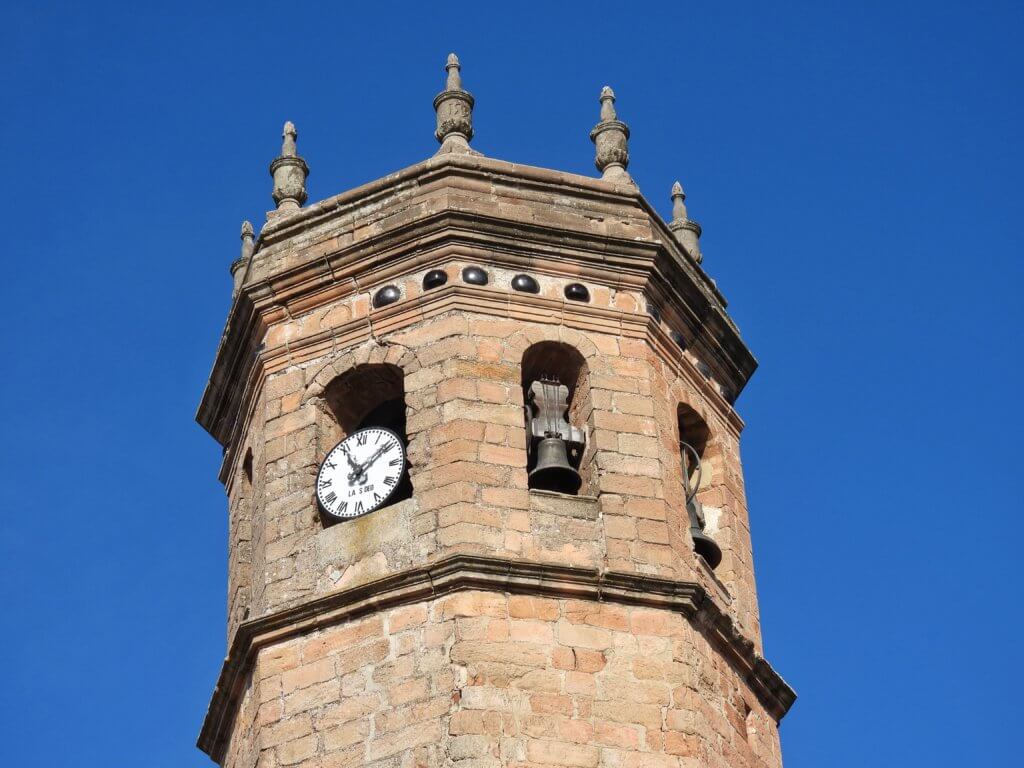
[
  {"x": 553, "y": 471},
  {"x": 703, "y": 544},
  {"x": 550, "y": 437}
]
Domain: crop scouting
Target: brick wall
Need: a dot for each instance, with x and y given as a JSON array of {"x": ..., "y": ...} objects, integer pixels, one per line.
[{"x": 481, "y": 679}]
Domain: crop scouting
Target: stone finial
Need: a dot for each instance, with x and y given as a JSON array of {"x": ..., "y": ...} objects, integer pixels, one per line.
[
  {"x": 454, "y": 107},
  {"x": 240, "y": 265},
  {"x": 289, "y": 172},
  {"x": 607, "y": 98},
  {"x": 288, "y": 138},
  {"x": 687, "y": 232},
  {"x": 454, "y": 70},
  {"x": 248, "y": 239},
  {"x": 610, "y": 138},
  {"x": 678, "y": 206}
]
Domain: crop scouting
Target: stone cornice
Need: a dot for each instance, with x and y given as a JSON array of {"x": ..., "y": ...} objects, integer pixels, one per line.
[
  {"x": 500, "y": 172},
  {"x": 237, "y": 349},
  {"x": 430, "y": 171},
  {"x": 603, "y": 259},
  {"x": 468, "y": 572}
]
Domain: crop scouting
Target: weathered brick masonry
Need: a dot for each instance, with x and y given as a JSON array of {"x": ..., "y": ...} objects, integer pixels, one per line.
[{"x": 479, "y": 622}]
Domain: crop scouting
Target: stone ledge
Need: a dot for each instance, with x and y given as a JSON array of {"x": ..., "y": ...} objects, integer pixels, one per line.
[
  {"x": 712, "y": 577},
  {"x": 429, "y": 171},
  {"x": 565, "y": 505},
  {"x": 468, "y": 572}
]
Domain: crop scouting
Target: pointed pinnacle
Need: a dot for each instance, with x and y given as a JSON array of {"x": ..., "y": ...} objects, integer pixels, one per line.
[
  {"x": 240, "y": 265},
  {"x": 454, "y": 108},
  {"x": 289, "y": 172},
  {"x": 247, "y": 241},
  {"x": 678, "y": 207},
  {"x": 454, "y": 81},
  {"x": 289, "y": 136},
  {"x": 611, "y": 141},
  {"x": 608, "y": 104}
]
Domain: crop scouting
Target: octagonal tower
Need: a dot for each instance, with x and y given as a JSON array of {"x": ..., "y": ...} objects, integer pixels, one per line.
[{"x": 500, "y": 319}]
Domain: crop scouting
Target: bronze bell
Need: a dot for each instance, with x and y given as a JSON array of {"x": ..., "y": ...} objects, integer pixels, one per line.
[
  {"x": 705, "y": 546},
  {"x": 550, "y": 437},
  {"x": 553, "y": 471}
]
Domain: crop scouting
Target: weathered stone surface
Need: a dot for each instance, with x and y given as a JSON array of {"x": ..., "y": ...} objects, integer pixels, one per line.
[{"x": 492, "y": 700}]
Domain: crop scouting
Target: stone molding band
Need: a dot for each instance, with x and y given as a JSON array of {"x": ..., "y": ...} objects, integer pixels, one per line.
[{"x": 471, "y": 572}]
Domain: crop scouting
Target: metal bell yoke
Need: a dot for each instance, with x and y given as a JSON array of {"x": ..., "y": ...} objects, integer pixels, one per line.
[
  {"x": 550, "y": 437},
  {"x": 703, "y": 544}
]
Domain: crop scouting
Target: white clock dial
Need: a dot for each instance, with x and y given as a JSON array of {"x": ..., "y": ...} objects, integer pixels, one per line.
[{"x": 361, "y": 472}]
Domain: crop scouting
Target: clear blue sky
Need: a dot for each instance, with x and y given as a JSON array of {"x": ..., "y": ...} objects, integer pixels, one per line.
[{"x": 856, "y": 167}]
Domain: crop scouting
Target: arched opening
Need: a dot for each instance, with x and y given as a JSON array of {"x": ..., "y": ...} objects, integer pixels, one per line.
[
  {"x": 371, "y": 395},
  {"x": 556, "y": 392},
  {"x": 695, "y": 433},
  {"x": 696, "y": 474},
  {"x": 360, "y": 394}
]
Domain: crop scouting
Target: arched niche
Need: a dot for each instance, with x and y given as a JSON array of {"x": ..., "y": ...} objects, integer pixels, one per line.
[
  {"x": 694, "y": 431},
  {"x": 368, "y": 395},
  {"x": 697, "y": 476},
  {"x": 554, "y": 361}
]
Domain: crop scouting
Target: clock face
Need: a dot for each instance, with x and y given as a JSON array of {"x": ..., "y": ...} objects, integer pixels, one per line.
[{"x": 361, "y": 472}]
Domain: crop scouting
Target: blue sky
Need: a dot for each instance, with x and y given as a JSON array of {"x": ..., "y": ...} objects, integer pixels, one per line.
[{"x": 856, "y": 168}]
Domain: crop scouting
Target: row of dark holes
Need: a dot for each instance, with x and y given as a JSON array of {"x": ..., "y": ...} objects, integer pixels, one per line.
[{"x": 435, "y": 278}]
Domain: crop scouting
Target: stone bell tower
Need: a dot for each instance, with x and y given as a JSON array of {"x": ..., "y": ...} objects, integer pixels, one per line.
[{"x": 563, "y": 575}]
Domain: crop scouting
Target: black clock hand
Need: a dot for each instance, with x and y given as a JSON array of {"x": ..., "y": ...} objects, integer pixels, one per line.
[
  {"x": 363, "y": 467},
  {"x": 357, "y": 469},
  {"x": 377, "y": 455}
]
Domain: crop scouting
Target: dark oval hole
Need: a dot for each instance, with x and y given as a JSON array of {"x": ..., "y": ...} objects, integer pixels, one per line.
[
  {"x": 434, "y": 278},
  {"x": 474, "y": 276},
  {"x": 389, "y": 294},
  {"x": 577, "y": 292},
  {"x": 525, "y": 283}
]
